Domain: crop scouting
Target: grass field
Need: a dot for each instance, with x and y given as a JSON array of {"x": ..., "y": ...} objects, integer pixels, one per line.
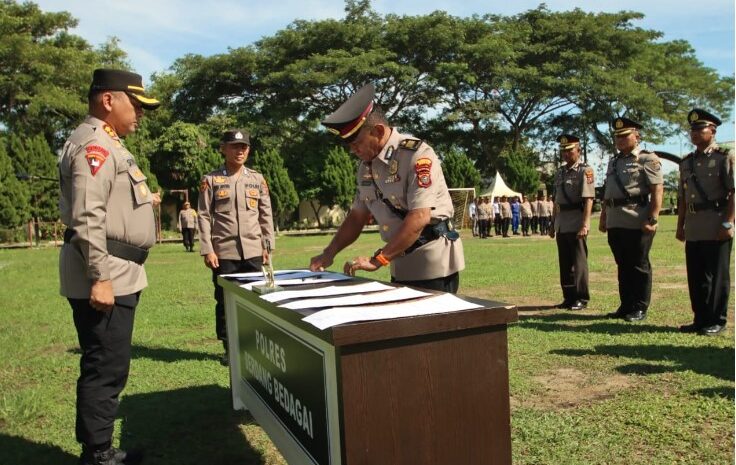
[{"x": 585, "y": 389}]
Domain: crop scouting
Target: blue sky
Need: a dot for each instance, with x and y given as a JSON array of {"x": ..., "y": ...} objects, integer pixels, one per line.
[{"x": 157, "y": 32}]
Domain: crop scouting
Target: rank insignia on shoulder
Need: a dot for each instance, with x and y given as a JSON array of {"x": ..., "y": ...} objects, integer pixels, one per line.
[
  {"x": 95, "y": 156},
  {"x": 410, "y": 144},
  {"x": 423, "y": 168},
  {"x": 219, "y": 179}
]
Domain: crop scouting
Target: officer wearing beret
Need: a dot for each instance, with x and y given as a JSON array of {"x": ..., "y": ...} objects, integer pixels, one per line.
[
  {"x": 630, "y": 210},
  {"x": 235, "y": 220},
  {"x": 107, "y": 208},
  {"x": 187, "y": 224},
  {"x": 400, "y": 183},
  {"x": 573, "y": 203},
  {"x": 705, "y": 221}
]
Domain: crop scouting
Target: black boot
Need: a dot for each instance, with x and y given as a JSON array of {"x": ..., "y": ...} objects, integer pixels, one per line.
[{"x": 110, "y": 456}]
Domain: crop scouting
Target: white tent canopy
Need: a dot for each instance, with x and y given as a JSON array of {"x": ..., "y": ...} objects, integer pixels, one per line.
[{"x": 499, "y": 188}]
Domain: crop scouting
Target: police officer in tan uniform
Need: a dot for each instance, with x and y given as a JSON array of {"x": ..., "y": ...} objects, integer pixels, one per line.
[
  {"x": 107, "y": 208},
  {"x": 630, "y": 211},
  {"x": 705, "y": 221},
  {"x": 485, "y": 211},
  {"x": 400, "y": 183},
  {"x": 505, "y": 208},
  {"x": 187, "y": 225},
  {"x": 574, "y": 193},
  {"x": 235, "y": 220},
  {"x": 526, "y": 216}
]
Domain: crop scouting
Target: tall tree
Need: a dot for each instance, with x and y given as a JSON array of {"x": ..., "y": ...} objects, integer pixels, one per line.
[
  {"x": 337, "y": 186},
  {"x": 33, "y": 157},
  {"x": 14, "y": 206},
  {"x": 459, "y": 170},
  {"x": 518, "y": 169},
  {"x": 283, "y": 194}
]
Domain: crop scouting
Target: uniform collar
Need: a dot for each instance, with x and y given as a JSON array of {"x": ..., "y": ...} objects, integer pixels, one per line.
[
  {"x": 634, "y": 153},
  {"x": 223, "y": 170},
  {"x": 574, "y": 167},
  {"x": 709, "y": 150},
  {"x": 388, "y": 152}
]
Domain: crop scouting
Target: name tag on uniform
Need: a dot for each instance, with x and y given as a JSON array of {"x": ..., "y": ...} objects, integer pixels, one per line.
[
  {"x": 366, "y": 183},
  {"x": 392, "y": 179}
]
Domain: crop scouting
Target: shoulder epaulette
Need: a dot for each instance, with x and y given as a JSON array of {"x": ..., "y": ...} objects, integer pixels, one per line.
[{"x": 410, "y": 144}]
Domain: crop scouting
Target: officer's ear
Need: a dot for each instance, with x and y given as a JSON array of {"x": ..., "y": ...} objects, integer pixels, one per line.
[{"x": 378, "y": 130}]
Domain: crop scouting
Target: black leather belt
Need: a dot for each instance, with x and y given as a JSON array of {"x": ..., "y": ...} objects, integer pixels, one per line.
[
  {"x": 433, "y": 232},
  {"x": 632, "y": 200},
  {"x": 571, "y": 206},
  {"x": 716, "y": 205},
  {"x": 117, "y": 249}
]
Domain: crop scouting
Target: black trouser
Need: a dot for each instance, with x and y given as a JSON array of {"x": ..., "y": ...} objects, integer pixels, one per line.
[
  {"x": 630, "y": 249},
  {"x": 573, "y": 258},
  {"x": 188, "y": 238},
  {"x": 497, "y": 223},
  {"x": 525, "y": 225},
  {"x": 449, "y": 283},
  {"x": 227, "y": 267},
  {"x": 484, "y": 227},
  {"x": 709, "y": 280},
  {"x": 505, "y": 223},
  {"x": 535, "y": 224},
  {"x": 105, "y": 340}
]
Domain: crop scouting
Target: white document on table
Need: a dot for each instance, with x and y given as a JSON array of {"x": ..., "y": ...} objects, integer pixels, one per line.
[
  {"x": 443, "y": 303},
  {"x": 394, "y": 295},
  {"x": 372, "y": 286},
  {"x": 301, "y": 278}
]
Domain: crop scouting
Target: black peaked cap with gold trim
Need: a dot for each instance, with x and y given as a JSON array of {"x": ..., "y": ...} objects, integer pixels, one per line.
[
  {"x": 623, "y": 126},
  {"x": 346, "y": 121},
  {"x": 568, "y": 141},
  {"x": 125, "y": 81},
  {"x": 699, "y": 118}
]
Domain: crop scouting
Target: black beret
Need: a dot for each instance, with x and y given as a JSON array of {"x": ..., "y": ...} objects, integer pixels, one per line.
[
  {"x": 567, "y": 141},
  {"x": 699, "y": 118},
  {"x": 623, "y": 126},
  {"x": 120, "y": 80},
  {"x": 235, "y": 136},
  {"x": 349, "y": 118}
]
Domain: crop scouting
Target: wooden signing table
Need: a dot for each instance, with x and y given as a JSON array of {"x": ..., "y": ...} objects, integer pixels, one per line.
[{"x": 424, "y": 390}]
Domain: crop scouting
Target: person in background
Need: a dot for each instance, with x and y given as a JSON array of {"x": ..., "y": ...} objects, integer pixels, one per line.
[
  {"x": 526, "y": 215},
  {"x": 497, "y": 219},
  {"x": 505, "y": 208},
  {"x": 187, "y": 224},
  {"x": 515, "y": 215},
  {"x": 473, "y": 213},
  {"x": 705, "y": 222}
]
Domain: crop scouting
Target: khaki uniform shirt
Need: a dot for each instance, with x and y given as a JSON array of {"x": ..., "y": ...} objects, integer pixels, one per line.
[
  {"x": 578, "y": 182},
  {"x": 485, "y": 211},
  {"x": 542, "y": 209},
  {"x": 188, "y": 219},
  {"x": 410, "y": 177},
  {"x": 235, "y": 219},
  {"x": 103, "y": 195},
  {"x": 505, "y": 208},
  {"x": 638, "y": 170},
  {"x": 535, "y": 208},
  {"x": 526, "y": 209},
  {"x": 714, "y": 172}
]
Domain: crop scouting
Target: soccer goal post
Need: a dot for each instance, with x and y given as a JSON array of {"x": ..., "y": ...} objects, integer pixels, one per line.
[{"x": 461, "y": 198}]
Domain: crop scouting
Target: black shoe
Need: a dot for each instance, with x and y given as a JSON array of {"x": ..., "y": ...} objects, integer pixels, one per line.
[
  {"x": 579, "y": 305},
  {"x": 637, "y": 315},
  {"x": 691, "y": 328},
  {"x": 619, "y": 313},
  {"x": 712, "y": 330},
  {"x": 225, "y": 359},
  {"x": 111, "y": 456},
  {"x": 566, "y": 304}
]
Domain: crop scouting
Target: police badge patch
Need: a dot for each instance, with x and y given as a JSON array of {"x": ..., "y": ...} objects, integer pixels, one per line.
[
  {"x": 95, "y": 156},
  {"x": 423, "y": 168}
]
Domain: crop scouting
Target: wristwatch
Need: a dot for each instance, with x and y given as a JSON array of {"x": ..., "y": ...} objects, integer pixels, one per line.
[
  {"x": 653, "y": 220},
  {"x": 380, "y": 258},
  {"x": 727, "y": 225}
]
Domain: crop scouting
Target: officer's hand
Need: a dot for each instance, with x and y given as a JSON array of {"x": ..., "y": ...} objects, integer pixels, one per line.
[
  {"x": 583, "y": 233},
  {"x": 211, "y": 261},
  {"x": 101, "y": 297},
  {"x": 265, "y": 256},
  {"x": 724, "y": 234},
  {"x": 680, "y": 234},
  {"x": 358, "y": 263},
  {"x": 156, "y": 199},
  {"x": 320, "y": 262},
  {"x": 649, "y": 229}
]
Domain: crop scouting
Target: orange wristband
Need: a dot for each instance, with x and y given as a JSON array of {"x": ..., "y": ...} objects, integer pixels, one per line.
[{"x": 382, "y": 259}]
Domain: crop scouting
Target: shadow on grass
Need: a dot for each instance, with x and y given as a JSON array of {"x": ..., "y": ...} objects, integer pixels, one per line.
[
  {"x": 554, "y": 322},
  {"x": 187, "y": 426},
  {"x": 18, "y": 450},
  {"x": 712, "y": 361},
  {"x": 162, "y": 354},
  {"x": 725, "y": 392}
]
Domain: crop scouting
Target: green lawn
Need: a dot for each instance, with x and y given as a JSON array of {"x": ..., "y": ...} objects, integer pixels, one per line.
[{"x": 585, "y": 390}]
